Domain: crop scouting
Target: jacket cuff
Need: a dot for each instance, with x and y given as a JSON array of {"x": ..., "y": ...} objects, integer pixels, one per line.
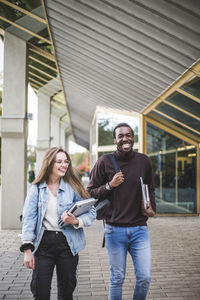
[
  {"x": 26, "y": 246},
  {"x": 80, "y": 224}
]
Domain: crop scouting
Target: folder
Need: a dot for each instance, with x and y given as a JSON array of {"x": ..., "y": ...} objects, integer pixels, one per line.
[
  {"x": 145, "y": 193},
  {"x": 79, "y": 208}
]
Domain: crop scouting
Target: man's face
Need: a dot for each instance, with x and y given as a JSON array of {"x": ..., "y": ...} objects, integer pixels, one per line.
[{"x": 124, "y": 139}]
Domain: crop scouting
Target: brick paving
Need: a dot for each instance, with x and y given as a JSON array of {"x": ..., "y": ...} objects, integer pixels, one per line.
[{"x": 175, "y": 264}]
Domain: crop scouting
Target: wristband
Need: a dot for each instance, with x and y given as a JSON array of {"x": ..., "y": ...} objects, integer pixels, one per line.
[{"x": 26, "y": 247}]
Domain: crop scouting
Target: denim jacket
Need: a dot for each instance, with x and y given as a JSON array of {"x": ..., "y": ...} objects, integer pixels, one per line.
[{"x": 34, "y": 210}]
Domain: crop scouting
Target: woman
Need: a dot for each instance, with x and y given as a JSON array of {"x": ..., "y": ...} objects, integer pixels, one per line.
[{"x": 44, "y": 244}]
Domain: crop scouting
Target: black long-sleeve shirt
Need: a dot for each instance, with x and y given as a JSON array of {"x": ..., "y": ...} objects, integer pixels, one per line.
[{"x": 126, "y": 199}]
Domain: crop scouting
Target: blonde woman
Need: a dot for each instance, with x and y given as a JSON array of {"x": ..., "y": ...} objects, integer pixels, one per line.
[{"x": 44, "y": 244}]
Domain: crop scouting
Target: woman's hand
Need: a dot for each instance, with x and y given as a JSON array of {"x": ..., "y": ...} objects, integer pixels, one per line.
[
  {"x": 29, "y": 260},
  {"x": 69, "y": 218}
]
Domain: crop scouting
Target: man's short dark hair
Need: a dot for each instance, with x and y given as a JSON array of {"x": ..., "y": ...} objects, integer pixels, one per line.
[{"x": 122, "y": 125}]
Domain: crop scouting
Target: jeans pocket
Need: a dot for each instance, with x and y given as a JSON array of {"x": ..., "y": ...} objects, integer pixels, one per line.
[
  {"x": 143, "y": 227},
  {"x": 108, "y": 229}
]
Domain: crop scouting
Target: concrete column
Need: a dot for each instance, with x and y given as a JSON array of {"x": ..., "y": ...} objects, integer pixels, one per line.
[
  {"x": 14, "y": 132},
  {"x": 43, "y": 128},
  {"x": 67, "y": 138},
  {"x": 62, "y": 136},
  {"x": 55, "y": 130}
]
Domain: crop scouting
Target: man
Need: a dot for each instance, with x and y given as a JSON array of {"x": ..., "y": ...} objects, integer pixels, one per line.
[{"x": 125, "y": 229}]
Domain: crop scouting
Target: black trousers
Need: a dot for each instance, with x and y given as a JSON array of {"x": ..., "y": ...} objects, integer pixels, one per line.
[{"x": 54, "y": 251}]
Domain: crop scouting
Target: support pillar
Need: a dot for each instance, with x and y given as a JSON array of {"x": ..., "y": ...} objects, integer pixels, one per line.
[
  {"x": 55, "y": 130},
  {"x": 67, "y": 138},
  {"x": 62, "y": 136},
  {"x": 43, "y": 128},
  {"x": 14, "y": 132}
]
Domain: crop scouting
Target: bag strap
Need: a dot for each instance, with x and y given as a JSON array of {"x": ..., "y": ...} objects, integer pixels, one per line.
[
  {"x": 114, "y": 162},
  {"x": 117, "y": 169}
]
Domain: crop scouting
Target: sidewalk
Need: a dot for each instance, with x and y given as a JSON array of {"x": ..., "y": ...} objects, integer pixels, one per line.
[{"x": 175, "y": 264}]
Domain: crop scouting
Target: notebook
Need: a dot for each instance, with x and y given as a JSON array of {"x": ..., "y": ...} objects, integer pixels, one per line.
[
  {"x": 145, "y": 193},
  {"x": 79, "y": 208}
]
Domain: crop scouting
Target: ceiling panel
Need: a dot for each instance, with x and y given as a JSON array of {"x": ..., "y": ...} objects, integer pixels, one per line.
[{"x": 120, "y": 54}]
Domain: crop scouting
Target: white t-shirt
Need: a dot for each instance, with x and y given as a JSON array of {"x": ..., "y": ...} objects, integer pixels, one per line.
[{"x": 50, "y": 221}]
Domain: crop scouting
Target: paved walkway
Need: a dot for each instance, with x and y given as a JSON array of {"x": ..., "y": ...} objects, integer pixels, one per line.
[{"x": 175, "y": 264}]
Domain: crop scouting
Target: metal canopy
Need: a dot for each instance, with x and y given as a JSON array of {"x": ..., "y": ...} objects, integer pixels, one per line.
[{"x": 120, "y": 54}]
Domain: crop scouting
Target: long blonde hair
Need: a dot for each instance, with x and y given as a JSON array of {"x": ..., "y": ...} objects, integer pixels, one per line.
[{"x": 71, "y": 176}]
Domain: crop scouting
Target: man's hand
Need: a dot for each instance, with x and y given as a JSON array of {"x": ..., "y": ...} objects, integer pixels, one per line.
[
  {"x": 147, "y": 212},
  {"x": 117, "y": 179}
]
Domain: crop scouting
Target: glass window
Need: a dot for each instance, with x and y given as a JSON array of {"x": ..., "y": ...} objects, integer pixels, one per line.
[
  {"x": 185, "y": 103},
  {"x": 13, "y": 14},
  {"x": 179, "y": 116},
  {"x": 41, "y": 67},
  {"x": 107, "y": 122},
  {"x": 192, "y": 87},
  {"x": 41, "y": 43},
  {"x": 174, "y": 123},
  {"x": 174, "y": 167}
]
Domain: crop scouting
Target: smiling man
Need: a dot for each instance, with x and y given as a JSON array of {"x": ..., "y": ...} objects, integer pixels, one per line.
[{"x": 126, "y": 221}]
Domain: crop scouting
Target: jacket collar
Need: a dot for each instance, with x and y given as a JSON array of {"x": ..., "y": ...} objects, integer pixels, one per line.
[{"x": 62, "y": 185}]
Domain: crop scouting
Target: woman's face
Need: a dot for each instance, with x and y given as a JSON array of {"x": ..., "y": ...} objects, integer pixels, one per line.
[{"x": 60, "y": 165}]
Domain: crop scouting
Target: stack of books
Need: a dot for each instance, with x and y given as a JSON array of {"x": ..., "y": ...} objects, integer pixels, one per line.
[{"x": 145, "y": 194}]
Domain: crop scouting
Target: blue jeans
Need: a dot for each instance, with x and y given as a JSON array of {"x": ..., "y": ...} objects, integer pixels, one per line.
[{"x": 135, "y": 240}]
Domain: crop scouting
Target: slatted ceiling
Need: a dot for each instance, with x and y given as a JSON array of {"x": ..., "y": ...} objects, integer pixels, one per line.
[
  {"x": 82, "y": 51},
  {"x": 76, "y": 58},
  {"x": 105, "y": 52},
  {"x": 120, "y": 54},
  {"x": 99, "y": 41},
  {"x": 96, "y": 95},
  {"x": 106, "y": 89},
  {"x": 112, "y": 101},
  {"x": 129, "y": 36},
  {"x": 175, "y": 13},
  {"x": 155, "y": 20},
  {"x": 84, "y": 108},
  {"x": 90, "y": 97},
  {"x": 81, "y": 136},
  {"x": 128, "y": 26},
  {"x": 80, "y": 140},
  {"x": 140, "y": 44},
  {"x": 192, "y": 5},
  {"x": 109, "y": 82},
  {"x": 81, "y": 122},
  {"x": 93, "y": 97}
]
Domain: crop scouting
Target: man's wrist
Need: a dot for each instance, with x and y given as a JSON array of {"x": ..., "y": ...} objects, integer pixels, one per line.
[{"x": 108, "y": 187}]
